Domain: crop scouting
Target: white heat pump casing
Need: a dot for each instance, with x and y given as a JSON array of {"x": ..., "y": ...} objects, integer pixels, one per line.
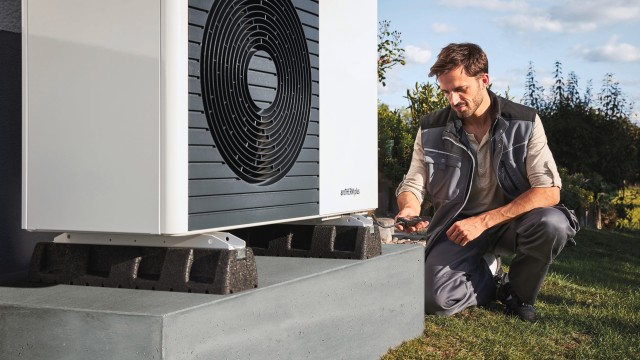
[{"x": 105, "y": 115}]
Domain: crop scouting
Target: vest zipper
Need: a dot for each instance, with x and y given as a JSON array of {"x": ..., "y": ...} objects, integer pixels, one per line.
[
  {"x": 469, "y": 183},
  {"x": 496, "y": 158}
]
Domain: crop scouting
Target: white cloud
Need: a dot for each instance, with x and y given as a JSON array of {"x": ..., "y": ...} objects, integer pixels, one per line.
[
  {"x": 597, "y": 11},
  {"x": 494, "y": 5},
  {"x": 442, "y": 28},
  {"x": 531, "y": 23},
  {"x": 539, "y": 21},
  {"x": 612, "y": 51},
  {"x": 417, "y": 55},
  {"x": 570, "y": 16}
]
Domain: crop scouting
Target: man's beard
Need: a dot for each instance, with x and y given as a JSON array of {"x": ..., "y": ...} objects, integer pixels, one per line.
[{"x": 470, "y": 106}]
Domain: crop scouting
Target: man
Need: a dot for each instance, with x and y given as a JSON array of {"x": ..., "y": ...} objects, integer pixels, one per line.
[{"x": 485, "y": 163}]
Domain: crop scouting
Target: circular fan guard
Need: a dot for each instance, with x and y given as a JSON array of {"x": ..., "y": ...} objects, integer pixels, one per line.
[{"x": 259, "y": 143}]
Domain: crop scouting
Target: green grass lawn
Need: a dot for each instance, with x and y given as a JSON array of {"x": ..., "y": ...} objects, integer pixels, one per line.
[{"x": 589, "y": 308}]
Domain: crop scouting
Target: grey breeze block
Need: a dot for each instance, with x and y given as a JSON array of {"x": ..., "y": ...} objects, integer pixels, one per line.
[
  {"x": 210, "y": 271},
  {"x": 320, "y": 241}
]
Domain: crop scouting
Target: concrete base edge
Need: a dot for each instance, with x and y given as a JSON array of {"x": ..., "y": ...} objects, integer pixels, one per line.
[{"x": 304, "y": 309}]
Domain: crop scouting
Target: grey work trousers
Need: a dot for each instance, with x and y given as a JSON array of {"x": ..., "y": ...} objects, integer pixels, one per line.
[{"x": 457, "y": 277}]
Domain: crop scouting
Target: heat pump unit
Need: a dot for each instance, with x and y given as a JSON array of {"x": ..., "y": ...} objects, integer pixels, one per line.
[{"x": 182, "y": 117}]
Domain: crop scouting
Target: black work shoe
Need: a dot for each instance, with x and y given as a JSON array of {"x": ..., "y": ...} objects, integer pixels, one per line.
[
  {"x": 524, "y": 311},
  {"x": 513, "y": 305}
]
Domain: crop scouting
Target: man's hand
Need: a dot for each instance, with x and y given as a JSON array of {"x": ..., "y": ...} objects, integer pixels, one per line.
[
  {"x": 464, "y": 231},
  {"x": 402, "y": 221},
  {"x": 409, "y": 207}
]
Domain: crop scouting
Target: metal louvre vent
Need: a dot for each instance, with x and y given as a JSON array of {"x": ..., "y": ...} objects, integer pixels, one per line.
[
  {"x": 272, "y": 89},
  {"x": 256, "y": 86}
]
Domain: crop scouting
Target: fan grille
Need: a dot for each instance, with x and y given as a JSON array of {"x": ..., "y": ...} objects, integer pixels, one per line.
[{"x": 258, "y": 120}]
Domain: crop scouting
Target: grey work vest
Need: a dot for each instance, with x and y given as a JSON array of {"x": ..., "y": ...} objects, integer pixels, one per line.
[{"x": 450, "y": 164}]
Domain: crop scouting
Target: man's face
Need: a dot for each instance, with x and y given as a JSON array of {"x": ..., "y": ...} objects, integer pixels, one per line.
[{"x": 464, "y": 93}]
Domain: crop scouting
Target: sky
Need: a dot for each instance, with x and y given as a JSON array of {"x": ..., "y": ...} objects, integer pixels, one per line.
[{"x": 589, "y": 37}]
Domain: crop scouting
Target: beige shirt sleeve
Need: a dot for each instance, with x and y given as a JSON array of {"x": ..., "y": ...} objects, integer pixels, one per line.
[
  {"x": 541, "y": 167},
  {"x": 414, "y": 180}
]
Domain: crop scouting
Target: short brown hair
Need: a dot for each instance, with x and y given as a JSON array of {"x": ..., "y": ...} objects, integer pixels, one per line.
[{"x": 470, "y": 56}]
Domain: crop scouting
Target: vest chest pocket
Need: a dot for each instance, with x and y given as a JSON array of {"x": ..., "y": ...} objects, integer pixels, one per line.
[{"x": 443, "y": 174}]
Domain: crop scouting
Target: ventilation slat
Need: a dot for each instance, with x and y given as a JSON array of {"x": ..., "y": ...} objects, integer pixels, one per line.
[
  {"x": 315, "y": 61},
  {"x": 249, "y": 201},
  {"x": 195, "y": 103},
  {"x": 262, "y": 94},
  {"x": 311, "y": 142},
  {"x": 197, "y": 17},
  {"x": 315, "y": 115},
  {"x": 308, "y": 19},
  {"x": 195, "y": 34},
  {"x": 197, "y": 120},
  {"x": 194, "y": 51},
  {"x": 314, "y": 47},
  {"x": 204, "y": 153},
  {"x": 240, "y": 217},
  {"x": 311, "y": 33},
  {"x": 313, "y": 129},
  {"x": 261, "y": 64},
  {"x": 258, "y": 78},
  {"x": 306, "y": 5},
  {"x": 237, "y": 186},
  {"x": 194, "y": 86},
  {"x": 219, "y": 170},
  {"x": 211, "y": 154},
  {"x": 200, "y": 171},
  {"x": 194, "y": 68},
  {"x": 200, "y": 137},
  {"x": 204, "y": 5}
]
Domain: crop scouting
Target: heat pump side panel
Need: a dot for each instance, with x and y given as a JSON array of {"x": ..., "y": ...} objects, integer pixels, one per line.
[
  {"x": 348, "y": 99},
  {"x": 91, "y": 123},
  {"x": 218, "y": 197},
  {"x": 174, "y": 119}
]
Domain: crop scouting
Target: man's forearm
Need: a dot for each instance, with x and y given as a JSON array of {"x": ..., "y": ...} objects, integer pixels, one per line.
[
  {"x": 408, "y": 204},
  {"x": 466, "y": 230},
  {"x": 529, "y": 200}
]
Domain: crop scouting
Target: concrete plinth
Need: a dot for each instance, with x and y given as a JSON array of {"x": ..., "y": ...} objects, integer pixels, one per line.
[{"x": 304, "y": 308}]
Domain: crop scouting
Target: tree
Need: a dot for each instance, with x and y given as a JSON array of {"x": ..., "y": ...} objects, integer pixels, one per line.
[
  {"x": 423, "y": 99},
  {"x": 390, "y": 53},
  {"x": 611, "y": 102},
  {"x": 395, "y": 143},
  {"x": 534, "y": 95},
  {"x": 558, "y": 92},
  {"x": 588, "y": 96},
  {"x": 572, "y": 92}
]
